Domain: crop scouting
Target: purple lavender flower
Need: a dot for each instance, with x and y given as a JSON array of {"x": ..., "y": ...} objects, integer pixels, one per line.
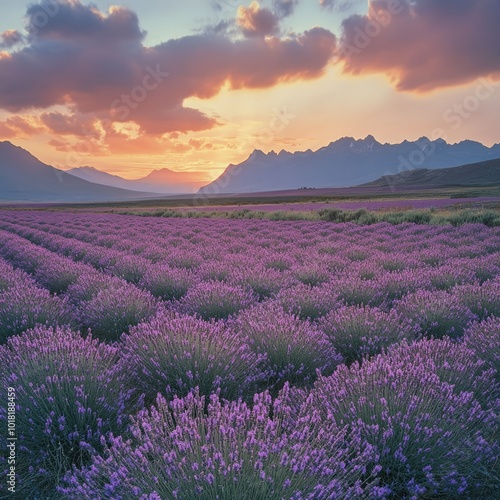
[
  {"x": 113, "y": 311},
  {"x": 233, "y": 450},
  {"x": 292, "y": 349},
  {"x": 484, "y": 338},
  {"x": 215, "y": 300},
  {"x": 166, "y": 282},
  {"x": 23, "y": 306},
  {"x": 173, "y": 354},
  {"x": 67, "y": 399},
  {"x": 437, "y": 313},
  {"x": 427, "y": 437},
  {"x": 358, "y": 332}
]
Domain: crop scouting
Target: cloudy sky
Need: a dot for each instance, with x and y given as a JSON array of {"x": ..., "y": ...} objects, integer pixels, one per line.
[{"x": 194, "y": 85}]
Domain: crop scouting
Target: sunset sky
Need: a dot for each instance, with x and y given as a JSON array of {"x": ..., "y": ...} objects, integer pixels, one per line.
[{"x": 198, "y": 84}]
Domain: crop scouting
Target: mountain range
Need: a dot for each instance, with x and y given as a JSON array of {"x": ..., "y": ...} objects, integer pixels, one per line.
[
  {"x": 343, "y": 163},
  {"x": 163, "y": 181},
  {"x": 346, "y": 162},
  {"x": 24, "y": 178}
]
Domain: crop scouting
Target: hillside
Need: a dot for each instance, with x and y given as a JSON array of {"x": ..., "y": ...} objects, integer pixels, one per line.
[
  {"x": 346, "y": 162},
  {"x": 162, "y": 181},
  {"x": 24, "y": 178},
  {"x": 477, "y": 174}
]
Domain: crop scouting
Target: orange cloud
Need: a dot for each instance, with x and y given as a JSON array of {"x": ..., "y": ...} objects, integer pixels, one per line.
[
  {"x": 19, "y": 125},
  {"x": 10, "y": 38},
  {"x": 97, "y": 64},
  {"x": 255, "y": 21},
  {"x": 76, "y": 124}
]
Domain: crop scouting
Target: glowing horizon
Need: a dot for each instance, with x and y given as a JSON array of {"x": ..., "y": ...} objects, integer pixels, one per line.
[{"x": 129, "y": 89}]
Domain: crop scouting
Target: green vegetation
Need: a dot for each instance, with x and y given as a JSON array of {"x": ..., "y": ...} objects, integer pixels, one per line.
[{"x": 455, "y": 216}]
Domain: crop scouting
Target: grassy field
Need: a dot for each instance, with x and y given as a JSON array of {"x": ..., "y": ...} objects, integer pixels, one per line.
[
  {"x": 453, "y": 205},
  {"x": 302, "y": 196}
]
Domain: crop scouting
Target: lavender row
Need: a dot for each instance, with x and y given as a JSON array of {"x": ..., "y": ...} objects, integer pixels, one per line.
[
  {"x": 24, "y": 304},
  {"x": 420, "y": 421},
  {"x": 359, "y": 276},
  {"x": 105, "y": 304},
  {"x": 296, "y": 240}
]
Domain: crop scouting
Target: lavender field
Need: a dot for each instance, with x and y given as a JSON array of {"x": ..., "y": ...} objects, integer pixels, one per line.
[{"x": 165, "y": 358}]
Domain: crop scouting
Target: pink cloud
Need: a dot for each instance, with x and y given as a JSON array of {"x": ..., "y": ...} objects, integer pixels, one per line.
[
  {"x": 423, "y": 45},
  {"x": 98, "y": 65},
  {"x": 255, "y": 21},
  {"x": 76, "y": 124},
  {"x": 19, "y": 125},
  {"x": 10, "y": 38}
]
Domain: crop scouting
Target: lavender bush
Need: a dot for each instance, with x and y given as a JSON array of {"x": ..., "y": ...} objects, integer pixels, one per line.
[
  {"x": 263, "y": 282},
  {"x": 484, "y": 338},
  {"x": 113, "y": 311},
  {"x": 23, "y": 306},
  {"x": 293, "y": 350},
  {"x": 173, "y": 354},
  {"x": 10, "y": 277},
  {"x": 58, "y": 273},
  {"x": 89, "y": 284},
  {"x": 309, "y": 302},
  {"x": 359, "y": 332},
  {"x": 437, "y": 313},
  {"x": 429, "y": 440},
  {"x": 483, "y": 300},
  {"x": 455, "y": 364},
  {"x": 130, "y": 268},
  {"x": 67, "y": 400},
  {"x": 167, "y": 283},
  {"x": 215, "y": 300},
  {"x": 234, "y": 451},
  {"x": 354, "y": 290}
]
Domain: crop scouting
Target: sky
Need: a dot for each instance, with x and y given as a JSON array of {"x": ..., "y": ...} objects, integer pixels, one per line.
[{"x": 133, "y": 86}]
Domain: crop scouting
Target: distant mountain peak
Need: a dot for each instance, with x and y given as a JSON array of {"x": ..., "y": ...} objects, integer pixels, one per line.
[
  {"x": 257, "y": 153},
  {"x": 163, "y": 170},
  {"x": 348, "y": 162},
  {"x": 23, "y": 177}
]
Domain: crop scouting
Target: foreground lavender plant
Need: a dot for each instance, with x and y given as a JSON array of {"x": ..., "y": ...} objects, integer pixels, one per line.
[
  {"x": 172, "y": 354},
  {"x": 358, "y": 332},
  {"x": 67, "y": 400},
  {"x": 430, "y": 439},
  {"x": 484, "y": 338},
  {"x": 293, "y": 350},
  {"x": 483, "y": 300},
  {"x": 454, "y": 363},
  {"x": 234, "y": 451}
]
